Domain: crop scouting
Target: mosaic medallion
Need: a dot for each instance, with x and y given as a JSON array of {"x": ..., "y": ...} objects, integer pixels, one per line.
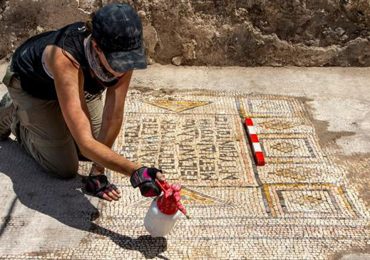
[{"x": 284, "y": 147}]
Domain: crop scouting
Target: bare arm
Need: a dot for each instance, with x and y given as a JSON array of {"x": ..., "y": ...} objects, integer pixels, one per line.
[
  {"x": 112, "y": 115},
  {"x": 69, "y": 87},
  {"x": 113, "y": 110}
]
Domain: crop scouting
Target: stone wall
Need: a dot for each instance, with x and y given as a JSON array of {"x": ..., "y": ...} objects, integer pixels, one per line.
[{"x": 219, "y": 32}]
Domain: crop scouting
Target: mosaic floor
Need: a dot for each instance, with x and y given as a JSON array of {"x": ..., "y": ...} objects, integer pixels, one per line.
[{"x": 298, "y": 206}]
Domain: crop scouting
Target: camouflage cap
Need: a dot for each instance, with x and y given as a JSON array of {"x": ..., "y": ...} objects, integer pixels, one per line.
[{"x": 119, "y": 33}]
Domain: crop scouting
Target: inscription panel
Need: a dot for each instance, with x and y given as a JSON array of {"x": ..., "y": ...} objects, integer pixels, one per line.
[{"x": 195, "y": 150}]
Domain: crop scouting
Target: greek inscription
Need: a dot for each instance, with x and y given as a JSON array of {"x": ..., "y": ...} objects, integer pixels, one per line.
[{"x": 189, "y": 149}]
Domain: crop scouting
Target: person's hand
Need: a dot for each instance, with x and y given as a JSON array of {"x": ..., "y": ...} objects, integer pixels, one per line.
[
  {"x": 112, "y": 193},
  {"x": 98, "y": 184},
  {"x": 145, "y": 179},
  {"x": 160, "y": 176}
]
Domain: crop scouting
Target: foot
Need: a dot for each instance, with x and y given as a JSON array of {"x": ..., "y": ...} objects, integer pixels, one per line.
[{"x": 6, "y": 111}]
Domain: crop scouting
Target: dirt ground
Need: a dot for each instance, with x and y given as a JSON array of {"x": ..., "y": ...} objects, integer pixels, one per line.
[
  {"x": 218, "y": 33},
  {"x": 357, "y": 165}
]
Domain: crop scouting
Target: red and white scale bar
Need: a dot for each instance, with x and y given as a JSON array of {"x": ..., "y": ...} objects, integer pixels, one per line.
[{"x": 254, "y": 141}]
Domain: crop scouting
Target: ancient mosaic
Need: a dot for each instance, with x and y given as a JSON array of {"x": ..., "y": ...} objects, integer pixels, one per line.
[{"x": 298, "y": 206}]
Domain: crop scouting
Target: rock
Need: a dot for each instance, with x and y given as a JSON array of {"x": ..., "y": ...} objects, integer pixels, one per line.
[
  {"x": 177, "y": 60},
  {"x": 39, "y": 29},
  {"x": 340, "y": 31},
  {"x": 188, "y": 50},
  {"x": 88, "y": 6},
  {"x": 150, "y": 61},
  {"x": 143, "y": 17},
  {"x": 150, "y": 39},
  {"x": 344, "y": 38}
]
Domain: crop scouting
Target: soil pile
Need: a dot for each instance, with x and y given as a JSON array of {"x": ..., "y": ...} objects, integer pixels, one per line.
[{"x": 215, "y": 32}]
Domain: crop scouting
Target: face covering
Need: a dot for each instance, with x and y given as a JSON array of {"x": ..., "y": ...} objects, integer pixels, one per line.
[{"x": 93, "y": 59}]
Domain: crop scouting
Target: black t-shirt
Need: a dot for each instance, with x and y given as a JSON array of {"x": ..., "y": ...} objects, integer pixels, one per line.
[{"x": 27, "y": 61}]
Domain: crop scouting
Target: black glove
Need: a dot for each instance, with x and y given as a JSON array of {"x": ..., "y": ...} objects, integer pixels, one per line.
[
  {"x": 98, "y": 185},
  {"x": 144, "y": 178}
]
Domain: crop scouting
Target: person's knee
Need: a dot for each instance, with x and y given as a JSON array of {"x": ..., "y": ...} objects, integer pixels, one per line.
[
  {"x": 66, "y": 174},
  {"x": 64, "y": 169},
  {"x": 58, "y": 156}
]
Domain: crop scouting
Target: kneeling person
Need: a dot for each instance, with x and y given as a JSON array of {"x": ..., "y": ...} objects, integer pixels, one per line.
[{"x": 54, "y": 103}]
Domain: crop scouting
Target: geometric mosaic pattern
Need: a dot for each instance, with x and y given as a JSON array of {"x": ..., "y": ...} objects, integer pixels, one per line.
[
  {"x": 177, "y": 105},
  {"x": 292, "y": 148},
  {"x": 272, "y": 107},
  {"x": 297, "y": 206},
  {"x": 309, "y": 201},
  {"x": 298, "y": 180},
  {"x": 282, "y": 125},
  {"x": 301, "y": 173},
  {"x": 194, "y": 104}
]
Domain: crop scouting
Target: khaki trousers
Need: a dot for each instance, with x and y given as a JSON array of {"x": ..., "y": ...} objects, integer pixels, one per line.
[{"x": 40, "y": 128}]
